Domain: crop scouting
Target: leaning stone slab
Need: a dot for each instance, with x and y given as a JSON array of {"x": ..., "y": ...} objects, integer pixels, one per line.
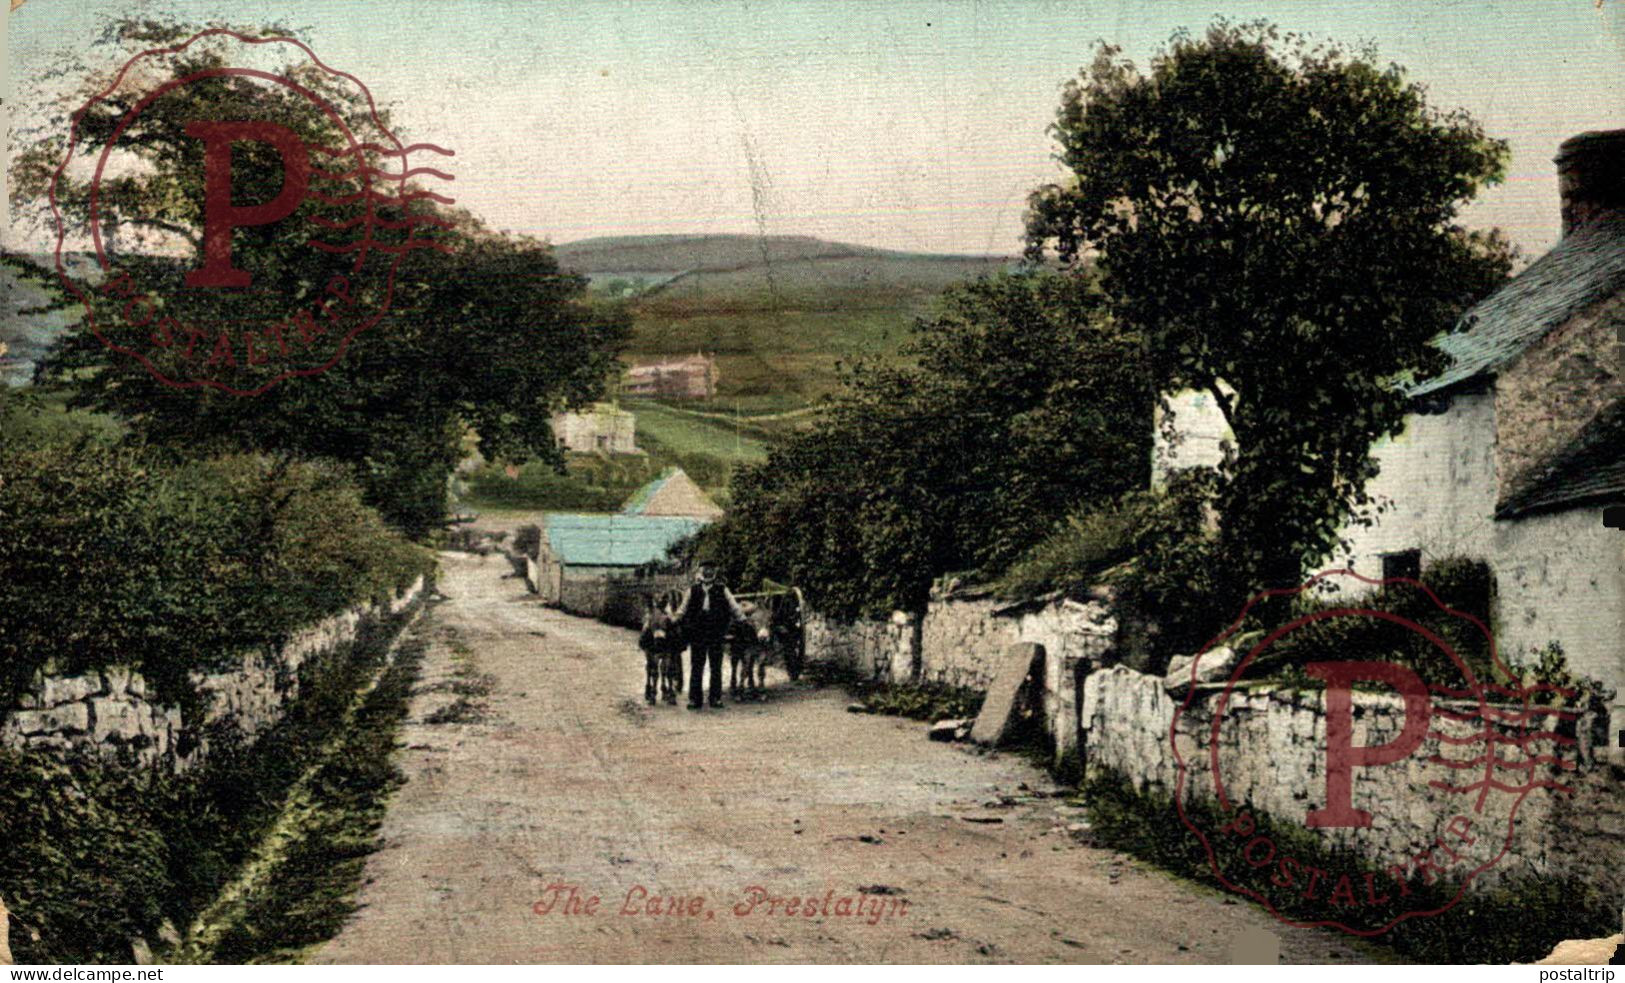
[
  {"x": 1018, "y": 664},
  {"x": 1213, "y": 666}
]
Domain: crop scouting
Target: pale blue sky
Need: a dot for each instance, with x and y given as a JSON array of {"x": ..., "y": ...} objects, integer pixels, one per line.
[{"x": 906, "y": 125}]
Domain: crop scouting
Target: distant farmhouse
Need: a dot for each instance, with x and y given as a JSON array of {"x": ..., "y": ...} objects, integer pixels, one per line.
[
  {"x": 1511, "y": 455},
  {"x": 603, "y": 429},
  {"x": 583, "y": 560},
  {"x": 694, "y": 377}
]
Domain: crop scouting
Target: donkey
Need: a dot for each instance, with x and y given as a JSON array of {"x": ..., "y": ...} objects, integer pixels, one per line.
[
  {"x": 750, "y": 643},
  {"x": 662, "y": 644}
]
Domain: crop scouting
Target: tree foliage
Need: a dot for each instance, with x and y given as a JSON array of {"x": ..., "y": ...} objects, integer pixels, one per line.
[
  {"x": 483, "y": 330},
  {"x": 1279, "y": 221},
  {"x": 1022, "y": 399}
]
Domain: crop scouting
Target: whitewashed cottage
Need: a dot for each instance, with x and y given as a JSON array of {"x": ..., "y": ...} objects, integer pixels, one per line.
[{"x": 1513, "y": 453}]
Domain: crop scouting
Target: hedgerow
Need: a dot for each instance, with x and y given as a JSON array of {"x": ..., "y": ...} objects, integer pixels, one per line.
[{"x": 113, "y": 556}]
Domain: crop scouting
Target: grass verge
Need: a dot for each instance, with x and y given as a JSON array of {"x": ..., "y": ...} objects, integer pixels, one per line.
[
  {"x": 297, "y": 890},
  {"x": 99, "y": 855}
]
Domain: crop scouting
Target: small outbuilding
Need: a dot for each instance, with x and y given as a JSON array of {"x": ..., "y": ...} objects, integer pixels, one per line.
[{"x": 673, "y": 493}]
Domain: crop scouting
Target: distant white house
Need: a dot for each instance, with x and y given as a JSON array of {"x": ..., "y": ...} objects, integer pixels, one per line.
[
  {"x": 602, "y": 429},
  {"x": 1511, "y": 455}
]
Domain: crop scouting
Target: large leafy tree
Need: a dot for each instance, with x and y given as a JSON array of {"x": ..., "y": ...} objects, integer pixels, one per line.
[
  {"x": 483, "y": 330},
  {"x": 1279, "y": 221},
  {"x": 1020, "y": 399}
]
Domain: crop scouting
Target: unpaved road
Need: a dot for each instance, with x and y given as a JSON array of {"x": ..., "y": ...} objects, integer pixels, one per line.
[{"x": 560, "y": 775}]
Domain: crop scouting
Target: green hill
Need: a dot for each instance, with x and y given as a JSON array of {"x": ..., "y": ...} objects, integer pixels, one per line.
[{"x": 778, "y": 312}]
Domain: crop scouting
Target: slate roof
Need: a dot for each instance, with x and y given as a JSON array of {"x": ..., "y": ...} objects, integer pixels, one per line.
[
  {"x": 672, "y": 493},
  {"x": 1589, "y": 469},
  {"x": 613, "y": 540},
  {"x": 1585, "y": 266}
]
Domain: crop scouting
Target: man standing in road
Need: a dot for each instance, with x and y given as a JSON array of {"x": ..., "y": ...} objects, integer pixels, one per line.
[{"x": 708, "y": 609}]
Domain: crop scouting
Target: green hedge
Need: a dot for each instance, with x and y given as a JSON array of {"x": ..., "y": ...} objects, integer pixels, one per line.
[{"x": 114, "y": 557}]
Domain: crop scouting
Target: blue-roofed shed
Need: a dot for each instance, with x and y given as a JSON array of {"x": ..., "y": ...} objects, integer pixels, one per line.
[
  {"x": 582, "y": 557},
  {"x": 613, "y": 542}
]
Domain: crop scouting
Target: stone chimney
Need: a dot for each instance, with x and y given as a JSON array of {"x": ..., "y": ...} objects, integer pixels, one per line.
[{"x": 1591, "y": 176}]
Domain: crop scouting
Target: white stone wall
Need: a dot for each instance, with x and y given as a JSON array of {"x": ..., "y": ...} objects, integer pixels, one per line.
[
  {"x": 960, "y": 642},
  {"x": 962, "y": 639},
  {"x": 1192, "y": 438},
  {"x": 116, "y": 710},
  {"x": 873, "y": 649},
  {"x": 1272, "y": 757}
]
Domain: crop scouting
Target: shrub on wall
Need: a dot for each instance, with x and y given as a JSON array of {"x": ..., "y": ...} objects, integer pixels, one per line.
[
  {"x": 1155, "y": 549},
  {"x": 1462, "y": 584},
  {"x": 113, "y": 557}
]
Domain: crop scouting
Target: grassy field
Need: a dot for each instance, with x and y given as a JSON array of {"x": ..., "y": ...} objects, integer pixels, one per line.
[
  {"x": 779, "y": 313},
  {"x": 703, "y": 444},
  {"x": 676, "y": 432}
]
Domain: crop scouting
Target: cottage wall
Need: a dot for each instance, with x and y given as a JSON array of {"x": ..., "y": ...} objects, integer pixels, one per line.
[
  {"x": 1188, "y": 435},
  {"x": 602, "y": 428},
  {"x": 1555, "y": 388},
  {"x": 1560, "y": 576},
  {"x": 1436, "y": 487}
]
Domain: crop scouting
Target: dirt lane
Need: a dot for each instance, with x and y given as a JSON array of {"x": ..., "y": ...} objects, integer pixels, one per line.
[{"x": 560, "y": 775}]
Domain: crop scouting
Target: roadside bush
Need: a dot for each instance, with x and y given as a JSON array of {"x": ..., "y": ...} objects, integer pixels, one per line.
[
  {"x": 538, "y": 486},
  {"x": 527, "y": 540},
  {"x": 85, "y": 865},
  {"x": 1155, "y": 550},
  {"x": 113, "y": 557},
  {"x": 1462, "y": 584},
  {"x": 925, "y": 701}
]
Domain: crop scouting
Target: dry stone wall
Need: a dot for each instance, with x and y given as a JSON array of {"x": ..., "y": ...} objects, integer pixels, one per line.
[
  {"x": 960, "y": 639},
  {"x": 872, "y": 649},
  {"x": 1272, "y": 757},
  {"x": 116, "y": 711}
]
